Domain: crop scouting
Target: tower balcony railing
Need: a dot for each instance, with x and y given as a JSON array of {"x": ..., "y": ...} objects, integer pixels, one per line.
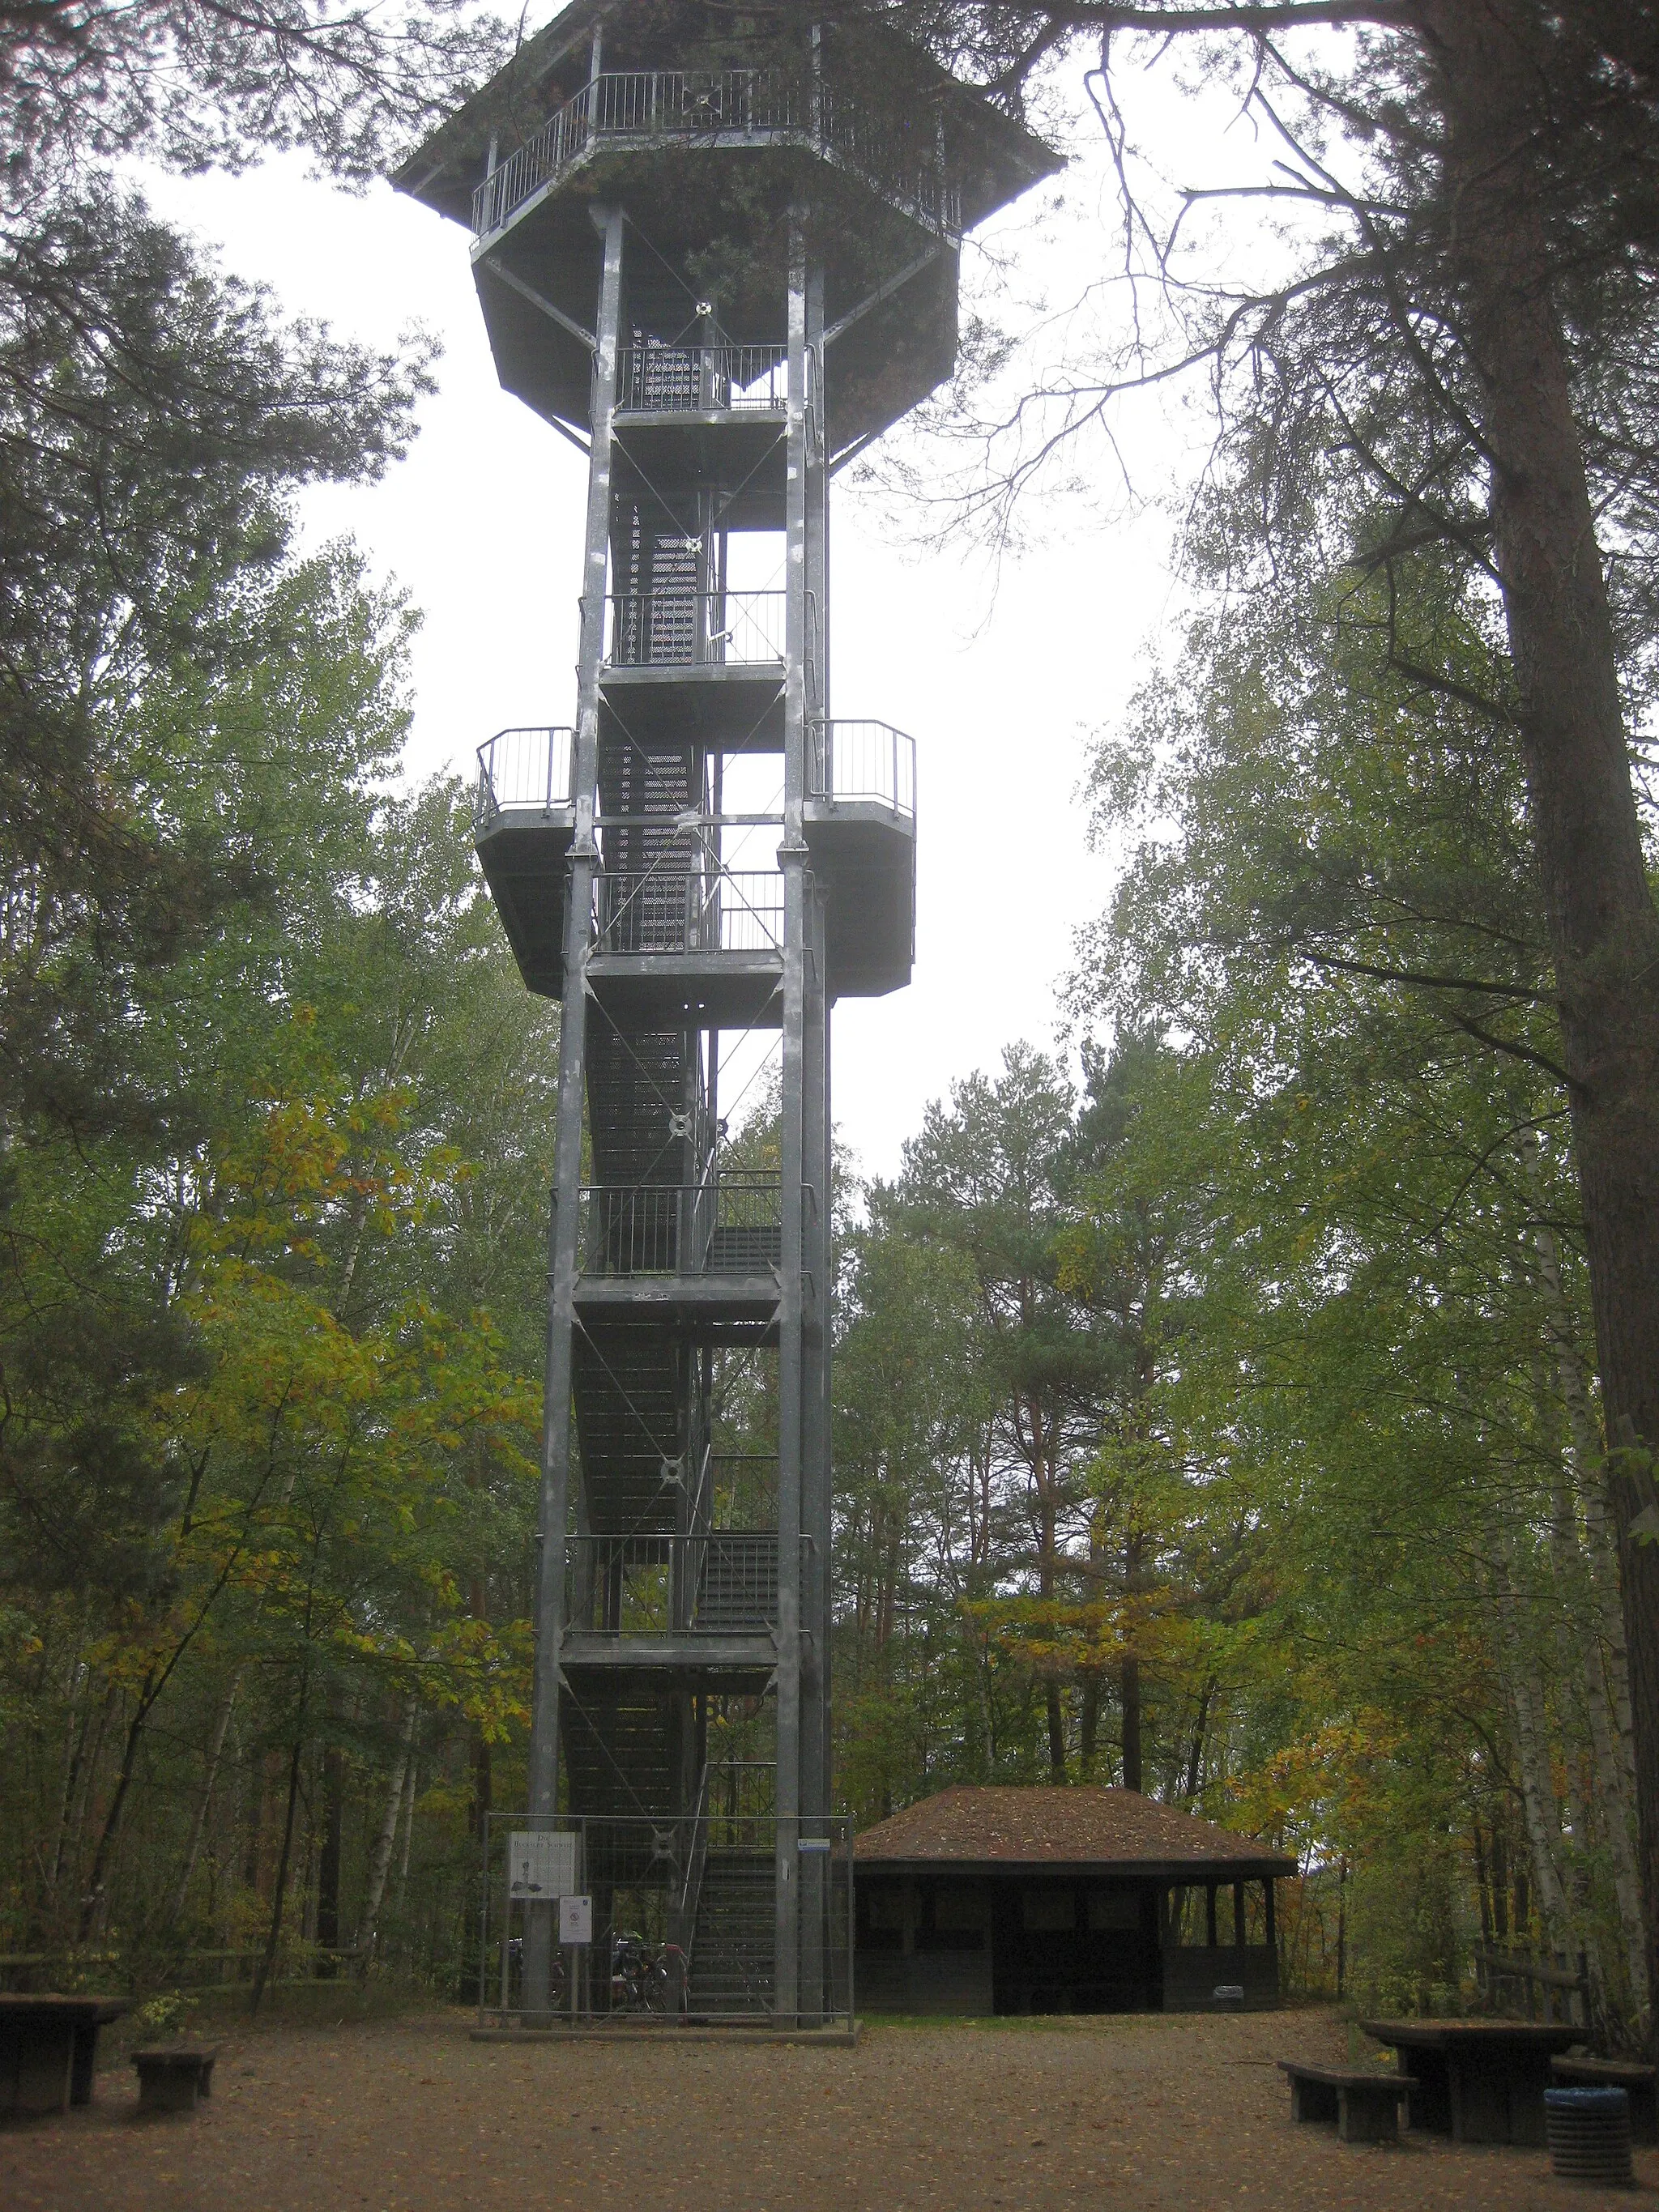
[
  {"x": 896, "y": 154},
  {"x": 721, "y": 1583},
  {"x": 524, "y": 768},
  {"x": 733, "y": 379},
  {"x": 868, "y": 762},
  {"x": 731, "y": 1225},
  {"x": 715, "y": 910},
  {"x": 697, "y": 630}
]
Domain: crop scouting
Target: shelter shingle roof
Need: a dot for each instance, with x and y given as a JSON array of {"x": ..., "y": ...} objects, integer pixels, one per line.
[{"x": 1075, "y": 1827}]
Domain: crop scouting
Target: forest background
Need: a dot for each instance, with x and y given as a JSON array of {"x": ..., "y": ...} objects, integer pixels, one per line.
[{"x": 1216, "y": 1407}]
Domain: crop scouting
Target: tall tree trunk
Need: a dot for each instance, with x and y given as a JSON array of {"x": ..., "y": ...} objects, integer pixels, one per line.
[
  {"x": 1088, "y": 1725},
  {"x": 380, "y": 1863},
  {"x": 1581, "y": 1660},
  {"x": 1525, "y": 1694},
  {"x": 75, "y": 1750},
  {"x": 92, "y": 1900},
  {"x": 1195, "y": 1750},
  {"x": 1130, "y": 1692},
  {"x": 198, "y": 1826},
  {"x": 408, "y": 1828},
  {"x": 1604, "y": 930},
  {"x": 1134, "y": 1551},
  {"x": 1056, "y": 1716},
  {"x": 328, "y": 1869},
  {"x": 279, "y": 1891},
  {"x": 1589, "y": 1471}
]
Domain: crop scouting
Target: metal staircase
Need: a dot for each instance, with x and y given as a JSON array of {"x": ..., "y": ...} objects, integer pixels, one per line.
[
  {"x": 733, "y": 1946},
  {"x": 723, "y": 280}
]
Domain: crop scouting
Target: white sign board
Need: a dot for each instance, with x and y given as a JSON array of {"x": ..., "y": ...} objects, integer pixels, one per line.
[
  {"x": 575, "y": 1920},
  {"x": 540, "y": 1866}
]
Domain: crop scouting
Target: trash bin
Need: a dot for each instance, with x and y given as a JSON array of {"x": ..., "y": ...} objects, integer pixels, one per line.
[{"x": 1588, "y": 2135}]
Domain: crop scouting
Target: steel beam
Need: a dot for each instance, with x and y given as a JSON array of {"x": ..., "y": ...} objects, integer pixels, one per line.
[{"x": 554, "y": 1497}]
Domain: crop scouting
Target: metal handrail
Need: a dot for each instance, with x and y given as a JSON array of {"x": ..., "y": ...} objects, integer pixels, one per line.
[
  {"x": 696, "y": 1514},
  {"x": 689, "y": 910},
  {"x": 729, "y": 1225},
  {"x": 690, "y": 1896},
  {"x": 718, "y": 1583},
  {"x": 869, "y": 761},
  {"x": 684, "y": 628},
  {"x": 732, "y": 379},
  {"x": 750, "y": 104},
  {"x": 533, "y": 767}
]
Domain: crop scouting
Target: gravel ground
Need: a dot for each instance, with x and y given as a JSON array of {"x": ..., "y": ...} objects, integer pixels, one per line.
[{"x": 410, "y": 2116}]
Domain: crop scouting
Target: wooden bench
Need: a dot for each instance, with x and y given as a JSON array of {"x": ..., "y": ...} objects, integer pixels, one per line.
[
  {"x": 48, "y": 2051},
  {"x": 1363, "y": 2100},
  {"x": 1579, "y": 2070},
  {"x": 174, "y": 2077}
]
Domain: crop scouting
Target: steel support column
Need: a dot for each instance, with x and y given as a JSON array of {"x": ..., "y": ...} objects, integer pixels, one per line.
[
  {"x": 792, "y": 860},
  {"x": 554, "y": 1503},
  {"x": 816, "y": 1503}
]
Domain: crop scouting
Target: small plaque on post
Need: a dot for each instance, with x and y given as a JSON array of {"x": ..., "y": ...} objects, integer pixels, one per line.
[
  {"x": 575, "y": 1920},
  {"x": 540, "y": 1867}
]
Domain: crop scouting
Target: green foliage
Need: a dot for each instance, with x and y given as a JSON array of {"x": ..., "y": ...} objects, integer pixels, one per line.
[
  {"x": 1299, "y": 1289},
  {"x": 267, "y": 1466}
]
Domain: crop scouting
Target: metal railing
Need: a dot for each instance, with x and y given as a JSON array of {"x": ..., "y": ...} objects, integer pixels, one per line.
[
  {"x": 684, "y": 1917},
  {"x": 896, "y": 153},
  {"x": 683, "y": 1909},
  {"x": 736, "y": 379},
  {"x": 720, "y": 910},
  {"x": 681, "y": 629},
  {"x": 731, "y": 1225},
  {"x": 863, "y": 761},
  {"x": 741, "y": 1790},
  {"x": 722, "y": 1583},
  {"x": 525, "y": 768}
]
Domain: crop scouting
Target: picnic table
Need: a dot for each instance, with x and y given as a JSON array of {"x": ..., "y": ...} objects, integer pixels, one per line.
[
  {"x": 48, "y": 2048},
  {"x": 1478, "y": 2080}
]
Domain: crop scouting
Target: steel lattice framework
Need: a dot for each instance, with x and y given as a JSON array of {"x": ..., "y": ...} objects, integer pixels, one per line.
[{"x": 722, "y": 278}]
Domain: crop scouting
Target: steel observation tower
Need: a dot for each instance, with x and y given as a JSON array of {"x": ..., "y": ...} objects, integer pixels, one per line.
[{"x": 721, "y": 265}]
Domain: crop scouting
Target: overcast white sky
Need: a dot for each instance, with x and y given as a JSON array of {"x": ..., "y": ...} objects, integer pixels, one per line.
[{"x": 481, "y": 524}]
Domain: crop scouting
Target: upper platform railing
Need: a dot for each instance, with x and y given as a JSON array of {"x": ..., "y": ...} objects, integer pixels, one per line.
[
  {"x": 870, "y": 762},
  {"x": 730, "y": 1224},
  {"x": 670, "y": 909},
  {"x": 625, "y": 108},
  {"x": 727, "y": 379},
  {"x": 691, "y": 630},
  {"x": 523, "y": 769}
]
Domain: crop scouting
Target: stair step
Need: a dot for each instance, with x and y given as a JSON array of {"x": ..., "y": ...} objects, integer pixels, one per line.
[{"x": 733, "y": 1948}]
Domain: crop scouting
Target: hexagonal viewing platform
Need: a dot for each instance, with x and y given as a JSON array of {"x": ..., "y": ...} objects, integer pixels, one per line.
[{"x": 896, "y": 158}]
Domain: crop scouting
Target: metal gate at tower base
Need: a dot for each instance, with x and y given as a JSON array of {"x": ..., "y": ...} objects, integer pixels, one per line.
[{"x": 683, "y": 1918}]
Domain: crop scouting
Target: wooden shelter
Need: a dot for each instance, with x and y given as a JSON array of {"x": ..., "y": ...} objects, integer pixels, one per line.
[{"x": 1085, "y": 1899}]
